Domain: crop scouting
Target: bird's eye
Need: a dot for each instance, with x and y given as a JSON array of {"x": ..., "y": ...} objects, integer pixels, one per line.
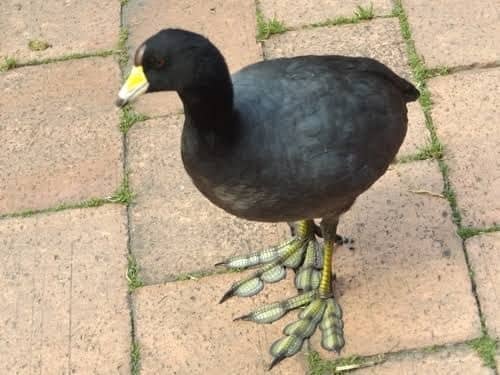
[{"x": 158, "y": 63}]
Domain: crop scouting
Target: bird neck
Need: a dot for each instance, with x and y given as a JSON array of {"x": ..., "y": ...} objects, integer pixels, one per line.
[{"x": 209, "y": 106}]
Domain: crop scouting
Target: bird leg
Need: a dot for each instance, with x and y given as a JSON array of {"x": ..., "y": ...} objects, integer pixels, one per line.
[
  {"x": 320, "y": 309},
  {"x": 292, "y": 254}
]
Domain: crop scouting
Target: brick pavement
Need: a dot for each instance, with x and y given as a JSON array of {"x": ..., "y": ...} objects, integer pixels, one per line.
[{"x": 78, "y": 197}]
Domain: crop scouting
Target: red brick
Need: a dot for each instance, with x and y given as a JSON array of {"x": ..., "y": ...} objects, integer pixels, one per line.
[
  {"x": 60, "y": 135},
  {"x": 64, "y": 296}
]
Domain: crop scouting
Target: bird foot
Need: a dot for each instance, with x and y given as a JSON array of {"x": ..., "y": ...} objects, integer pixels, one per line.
[
  {"x": 314, "y": 283},
  {"x": 301, "y": 253},
  {"x": 324, "y": 312}
]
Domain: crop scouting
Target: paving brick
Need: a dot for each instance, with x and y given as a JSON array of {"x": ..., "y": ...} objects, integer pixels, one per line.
[
  {"x": 182, "y": 329},
  {"x": 449, "y": 362},
  {"x": 466, "y": 115},
  {"x": 304, "y": 12},
  {"x": 60, "y": 136},
  {"x": 484, "y": 255},
  {"x": 417, "y": 135},
  {"x": 455, "y": 32},
  {"x": 380, "y": 39},
  {"x": 68, "y": 26},
  {"x": 406, "y": 284},
  {"x": 173, "y": 227},
  {"x": 64, "y": 295},
  {"x": 229, "y": 24}
]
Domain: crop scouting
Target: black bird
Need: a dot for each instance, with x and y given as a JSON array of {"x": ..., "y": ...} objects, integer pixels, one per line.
[{"x": 284, "y": 140}]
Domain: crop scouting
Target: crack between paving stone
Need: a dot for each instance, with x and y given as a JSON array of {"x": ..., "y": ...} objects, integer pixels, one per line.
[
  {"x": 130, "y": 302},
  {"x": 448, "y": 190}
]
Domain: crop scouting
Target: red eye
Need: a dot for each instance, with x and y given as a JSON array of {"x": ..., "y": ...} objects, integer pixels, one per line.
[{"x": 158, "y": 63}]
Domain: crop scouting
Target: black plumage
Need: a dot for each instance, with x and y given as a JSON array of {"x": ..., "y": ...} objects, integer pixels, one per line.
[{"x": 305, "y": 137}]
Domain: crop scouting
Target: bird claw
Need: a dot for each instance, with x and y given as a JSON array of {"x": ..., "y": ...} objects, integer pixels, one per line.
[
  {"x": 309, "y": 274},
  {"x": 275, "y": 261},
  {"x": 274, "y": 311},
  {"x": 323, "y": 312},
  {"x": 261, "y": 257}
]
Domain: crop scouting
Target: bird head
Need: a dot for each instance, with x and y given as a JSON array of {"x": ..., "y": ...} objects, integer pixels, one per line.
[{"x": 172, "y": 60}]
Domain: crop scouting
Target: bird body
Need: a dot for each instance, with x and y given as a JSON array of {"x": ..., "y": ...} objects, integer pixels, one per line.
[
  {"x": 289, "y": 139},
  {"x": 307, "y": 135}
]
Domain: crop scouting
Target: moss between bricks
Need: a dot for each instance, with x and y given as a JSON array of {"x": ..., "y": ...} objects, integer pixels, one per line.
[
  {"x": 7, "y": 64},
  {"x": 133, "y": 278},
  {"x": 11, "y": 63},
  {"x": 122, "y": 47},
  {"x": 485, "y": 346},
  {"x": 268, "y": 27},
  {"x": 360, "y": 14},
  {"x": 38, "y": 45},
  {"x": 122, "y": 195},
  {"x": 468, "y": 232},
  {"x": 129, "y": 117},
  {"x": 432, "y": 150},
  {"x": 135, "y": 358},
  {"x": 93, "y": 202}
]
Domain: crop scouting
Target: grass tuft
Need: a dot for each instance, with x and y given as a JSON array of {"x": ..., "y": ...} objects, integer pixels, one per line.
[
  {"x": 438, "y": 71},
  {"x": 360, "y": 14},
  {"x": 468, "y": 232},
  {"x": 135, "y": 358},
  {"x": 133, "y": 277},
  {"x": 433, "y": 150},
  {"x": 7, "y": 64},
  {"x": 485, "y": 346},
  {"x": 129, "y": 117},
  {"x": 123, "y": 194},
  {"x": 266, "y": 28},
  {"x": 38, "y": 45}
]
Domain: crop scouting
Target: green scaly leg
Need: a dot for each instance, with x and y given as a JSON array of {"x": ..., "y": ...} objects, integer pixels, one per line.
[{"x": 321, "y": 309}]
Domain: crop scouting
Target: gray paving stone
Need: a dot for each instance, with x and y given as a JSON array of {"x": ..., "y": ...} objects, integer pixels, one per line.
[
  {"x": 467, "y": 117},
  {"x": 380, "y": 39},
  {"x": 406, "y": 284},
  {"x": 304, "y": 12},
  {"x": 455, "y": 32},
  {"x": 182, "y": 329},
  {"x": 64, "y": 296},
  {"x": 59, "y": 132},
  {"x": 67, "y": 26},
  {"x": 484, "y": 255},
  {"x": 230, "y": 25},
  {"x": 449, "y": 362},
  {"x": 174, "y": 229}
]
